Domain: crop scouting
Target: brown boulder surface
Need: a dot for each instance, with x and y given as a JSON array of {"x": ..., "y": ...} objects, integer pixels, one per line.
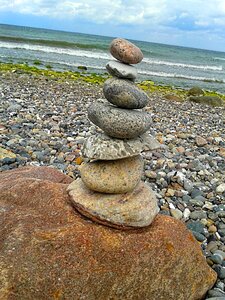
[{"x": 48, "y": 251}]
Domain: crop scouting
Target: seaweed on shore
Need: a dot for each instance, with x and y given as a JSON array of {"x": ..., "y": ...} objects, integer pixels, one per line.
[{"x": 93, "y": 78}]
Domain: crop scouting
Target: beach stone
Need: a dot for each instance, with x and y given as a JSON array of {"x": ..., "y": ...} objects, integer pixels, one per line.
[
  {"x": 125, "y": 51},
  {"x": 220, "y": 271},
  {"x": 217, "y": 258},
  {"x": 176, "y": 213},
  {"x": 209, "y": 100},
  {"x": 216, "y": 292},
  {"x": 199, "y": 237},
  {"x": 124, "y": 94},
  {"x": 103, "y": 147},
  {"x": 217, "y": 298},
  {"x": 220, "y": 188},
  {"x": 198, "y": 214},
  {"x": 113, "y": 176},
  {"x": 200, "y": 141},
  {"x": 121, "y": 70},
  {"x": 125, "y": 211},
  {"x": 4, "y": 153},
  {"x": 195, "y": 91},
  {"x": 41, "y": 233},
  {"x": 118, "y": 122},
  {"x": 14, "y": 107},
  {"x": 173, "y": 97}
]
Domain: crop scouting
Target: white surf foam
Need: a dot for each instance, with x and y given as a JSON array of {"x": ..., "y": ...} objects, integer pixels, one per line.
[
  {"x": 47, "y": 49},
  {"x": 172, "y": 75},
  {"x": 219, "y": 58},
  {"x": 174, "y": 64}
]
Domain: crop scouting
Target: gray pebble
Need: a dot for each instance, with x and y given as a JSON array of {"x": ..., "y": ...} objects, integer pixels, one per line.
[
  {"x": 220, "y": 271},
  {"x": 124, "y": 94},
  {"x": 216, "y": 292},
  {"x": 217, "y": 258},
  {"x": 118, "y": 122},
  {"x": 198, "y": 214}
]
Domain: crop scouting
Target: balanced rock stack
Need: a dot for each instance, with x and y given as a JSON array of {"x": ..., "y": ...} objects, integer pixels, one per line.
[{"x": 110, "y": 190}]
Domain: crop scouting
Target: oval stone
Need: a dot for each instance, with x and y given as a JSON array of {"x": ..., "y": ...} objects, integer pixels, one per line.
[
  {"x": 103, "y": 147},
  {"x": 124, "y": 94},
  {"x": 125, "y": 51},
  {"x": 125, "y": 211},
  {"x": 121, "y": 70},
  {"x": 119, "y": 122},
  {"x": 113, "y": 177}
]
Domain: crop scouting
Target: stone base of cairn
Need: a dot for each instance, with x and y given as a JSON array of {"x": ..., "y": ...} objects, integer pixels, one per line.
[{"x": 110, "y": 190}]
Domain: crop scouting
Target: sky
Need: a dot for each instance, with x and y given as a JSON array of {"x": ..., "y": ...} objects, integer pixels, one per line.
[{"x": 190, "y": 23}]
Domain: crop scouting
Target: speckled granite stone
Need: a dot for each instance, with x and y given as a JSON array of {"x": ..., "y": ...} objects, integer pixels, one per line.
[
  {"x": 125, "y": 51},
  {"x": 118, "y": 122},
  {"x": 124, "y": 94}
]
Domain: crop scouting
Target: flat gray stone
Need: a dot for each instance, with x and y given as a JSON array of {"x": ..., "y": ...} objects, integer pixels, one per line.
[
  {"x": 121, "y": 70},
  {"x": 130, "y": 210},
  {"x": 124, "y": 94},
  {"x": 119, "y": 122},
  {"x": 103, "y": 147}
]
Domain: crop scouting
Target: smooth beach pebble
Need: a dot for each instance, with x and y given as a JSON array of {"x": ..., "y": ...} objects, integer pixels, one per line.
[
  {"x": 103, "y": 147},
  {"x": 119, "y": 122},
  {"x": 125, "y": 51},
  {"x": 135, "y": 209},
  {"x": 121, "y": 70},
  {"x": 124, "y": 94},
  {"x": 114, "y": 176}
]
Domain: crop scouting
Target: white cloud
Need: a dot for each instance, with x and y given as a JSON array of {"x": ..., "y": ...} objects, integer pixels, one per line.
[{"x": 151, "y": 12}]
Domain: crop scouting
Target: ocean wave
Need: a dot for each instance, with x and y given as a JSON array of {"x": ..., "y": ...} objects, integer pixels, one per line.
[
  {"x": 63, "y": 63},
  {"x": 180, "y": 76},
  {"x": 54, "y": 43},
  {"x": 47, "y": 49},
  {"x": 219, "y": 58},
  {"x": 174, "y": 64}
]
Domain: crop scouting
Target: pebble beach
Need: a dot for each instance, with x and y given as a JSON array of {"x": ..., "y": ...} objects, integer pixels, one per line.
[{"x": 43, "y": 121}]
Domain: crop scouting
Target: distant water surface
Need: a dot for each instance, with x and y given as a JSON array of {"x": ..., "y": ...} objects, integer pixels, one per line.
[{"x": 163, "y": 64}]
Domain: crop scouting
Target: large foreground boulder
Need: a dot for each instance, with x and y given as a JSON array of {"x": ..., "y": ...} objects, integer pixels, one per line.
[{"x": 48, "y": 251}]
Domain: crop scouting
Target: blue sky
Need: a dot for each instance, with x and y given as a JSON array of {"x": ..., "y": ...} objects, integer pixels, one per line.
[{"x": 193, "y": 23}]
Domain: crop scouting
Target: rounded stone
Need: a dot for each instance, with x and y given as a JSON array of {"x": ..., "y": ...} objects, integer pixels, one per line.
[
  {"x": 121, "y": 70},
  {"x": 103, "y": 147},
  {"x": 217, "y": 258},
  {"x": 125, "y": 51},
  {"x": 119, "y": 122},
  {"x": 125, "y": 211},
  {"x": 124, "y": 94},
  {"x": 114, "y": 177}
]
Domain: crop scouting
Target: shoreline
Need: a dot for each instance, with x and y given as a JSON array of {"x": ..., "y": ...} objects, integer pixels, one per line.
[{"x": 85, "y": 76}]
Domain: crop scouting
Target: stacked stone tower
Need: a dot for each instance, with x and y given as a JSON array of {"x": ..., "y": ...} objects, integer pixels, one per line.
[{"x": 110, "y": 190}]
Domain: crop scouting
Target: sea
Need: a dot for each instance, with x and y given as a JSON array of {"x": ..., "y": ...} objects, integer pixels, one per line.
[{"x": 180, "y": 67}]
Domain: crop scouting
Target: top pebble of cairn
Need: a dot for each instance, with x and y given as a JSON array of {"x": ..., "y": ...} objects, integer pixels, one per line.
[{"x": 125, "y": 51}]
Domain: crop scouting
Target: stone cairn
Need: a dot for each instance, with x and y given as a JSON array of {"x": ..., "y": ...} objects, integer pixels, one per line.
[{"x": 110, "y": 190}]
